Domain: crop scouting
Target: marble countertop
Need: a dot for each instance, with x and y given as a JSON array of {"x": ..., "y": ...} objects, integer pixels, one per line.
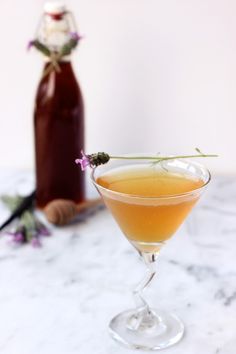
[{"x": 59, "y": 299}]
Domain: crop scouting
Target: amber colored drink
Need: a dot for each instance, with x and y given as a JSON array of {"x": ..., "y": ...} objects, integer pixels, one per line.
[
  {"x": 149, "y": 196},
  {"x": 155, "y": 213}
]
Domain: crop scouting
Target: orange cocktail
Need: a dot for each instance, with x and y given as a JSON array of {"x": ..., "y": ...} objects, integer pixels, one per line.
[{"x": 149, "y": 202}]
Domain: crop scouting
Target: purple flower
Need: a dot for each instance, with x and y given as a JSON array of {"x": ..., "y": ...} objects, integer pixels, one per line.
[
  {"x": 75, "y": 36},
  {"x": 84, "y": 162},
  {"x": 30, "y": 44},
  {"x": 18, "y": 237},
  {"x": 92, "y": 160},
  {"x": 35, "y": 242},
  {"x": 42, "y": 229}
]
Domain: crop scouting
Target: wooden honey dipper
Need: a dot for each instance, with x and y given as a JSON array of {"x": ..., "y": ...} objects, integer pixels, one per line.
[{"x": 62, "y": 211}]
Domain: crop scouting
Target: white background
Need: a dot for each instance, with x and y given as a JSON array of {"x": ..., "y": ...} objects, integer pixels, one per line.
[{"x": 156, "y": 76}]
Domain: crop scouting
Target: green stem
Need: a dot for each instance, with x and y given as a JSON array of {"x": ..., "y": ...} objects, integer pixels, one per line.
[
  {"x": 160, "y": 158},
  {"x": 28, "y": 221}
]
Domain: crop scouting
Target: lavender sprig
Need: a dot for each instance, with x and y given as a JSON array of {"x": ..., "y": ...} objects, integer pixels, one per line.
[
  {"x": 39, "y": 46},
  {"x": 29, "y": 228},
  {"x": 70, "y": 45},
  {"x": 100, "y": 158}
]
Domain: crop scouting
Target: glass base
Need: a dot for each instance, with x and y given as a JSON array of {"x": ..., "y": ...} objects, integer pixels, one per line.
[{"x": 153, "y": 331}]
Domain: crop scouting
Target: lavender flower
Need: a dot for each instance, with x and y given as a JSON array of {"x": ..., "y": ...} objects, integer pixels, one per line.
[
  {"x": 75, "y": 36},
  {"x": 18, "y": 236},
  {"x": 35, "y": 242},
  {"x": 84, "y": 162},
  {"x": 92, "y": 160},
  {"x": 42, "y": 229},
  {"x": 30, "y": 44}
]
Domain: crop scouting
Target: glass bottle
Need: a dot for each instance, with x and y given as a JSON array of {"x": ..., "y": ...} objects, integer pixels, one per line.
[{"x": 58, "y": 113}]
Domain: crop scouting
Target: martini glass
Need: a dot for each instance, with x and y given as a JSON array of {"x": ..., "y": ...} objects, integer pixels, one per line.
[{"x": 149, "y": 201}]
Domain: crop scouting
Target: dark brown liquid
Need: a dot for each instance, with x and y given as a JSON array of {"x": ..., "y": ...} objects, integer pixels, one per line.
[{"x": 59, "y": 137}]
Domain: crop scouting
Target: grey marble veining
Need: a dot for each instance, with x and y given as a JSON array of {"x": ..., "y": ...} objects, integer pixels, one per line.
[{"x": 60, "y": 298}]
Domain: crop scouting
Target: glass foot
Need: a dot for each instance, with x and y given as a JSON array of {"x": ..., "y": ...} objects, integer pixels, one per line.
[{"x": 152, "y": 331}]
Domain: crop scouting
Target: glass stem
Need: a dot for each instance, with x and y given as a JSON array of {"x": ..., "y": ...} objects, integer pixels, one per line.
[{"x": 143, "y": 316}]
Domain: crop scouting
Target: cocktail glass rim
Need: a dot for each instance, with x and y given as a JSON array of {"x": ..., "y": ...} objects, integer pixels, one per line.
[{"x": 167, "y": 196}]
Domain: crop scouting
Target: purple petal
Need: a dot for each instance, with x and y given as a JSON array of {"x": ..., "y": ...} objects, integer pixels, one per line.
[
  {"x": 18, "y": 237},
  {"x": 44, "y": 231},
  {"x": 84, "y": 162},
  {"x": 41, "y": 229},
  {"x": 75, "y": 36},
  {"x": 30, "y": 45},
  {"x": 36, "y": 242}
]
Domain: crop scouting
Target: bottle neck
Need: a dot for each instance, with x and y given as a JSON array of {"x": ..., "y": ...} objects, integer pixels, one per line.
[
  {"x": 57, "y": 37},
  {"x": 64, "y": 68},
  {"x": 53, "y": 32}
]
